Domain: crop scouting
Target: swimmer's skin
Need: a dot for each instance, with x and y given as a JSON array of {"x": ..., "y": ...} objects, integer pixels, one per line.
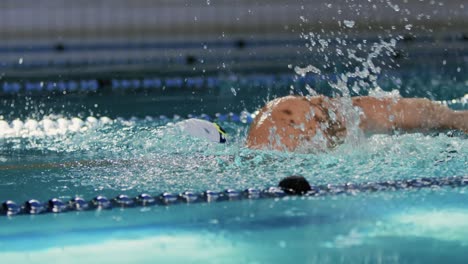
[{"x": 291, "y": 122}]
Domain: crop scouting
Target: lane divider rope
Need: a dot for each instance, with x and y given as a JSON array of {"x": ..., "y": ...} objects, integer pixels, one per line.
[{"x": 56, "y": 205}]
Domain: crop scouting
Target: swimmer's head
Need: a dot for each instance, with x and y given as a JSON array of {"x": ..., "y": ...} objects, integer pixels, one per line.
[
  {"x": 284, "y": 124},
  {"x": 203, "y": 129},
  {"x": 295, "y": 123}
]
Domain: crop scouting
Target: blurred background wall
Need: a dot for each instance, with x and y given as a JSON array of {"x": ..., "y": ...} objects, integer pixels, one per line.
[
  {"x": 208, "y": 48},
  {"x": 74, "y": 39},
  {"x": 83, "y": 20}
]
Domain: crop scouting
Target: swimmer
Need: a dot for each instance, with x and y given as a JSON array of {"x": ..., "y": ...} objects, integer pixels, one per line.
[{"x": 295, "y": 122}]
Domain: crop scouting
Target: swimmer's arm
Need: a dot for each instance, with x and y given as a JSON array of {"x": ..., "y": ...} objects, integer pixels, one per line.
[{"x": 408, "y": 115}]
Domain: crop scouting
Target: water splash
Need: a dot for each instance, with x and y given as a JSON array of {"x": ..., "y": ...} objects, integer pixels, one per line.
[
  {"x": 460, "y": 103},
  {"x": 303, "y": 71},
  {"x": 233, "y": 90},
  {"x": 50, "y": 126},
  {"x": 349, "y": 66},
  {"x": 393, "y": 6},
  {"x": 135, "y": 155},
  {"x": 379, "y": 93},
  {"x": 349, "y": 23}
]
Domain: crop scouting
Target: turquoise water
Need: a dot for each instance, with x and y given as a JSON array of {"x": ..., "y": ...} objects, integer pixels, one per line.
[
  {"x": 408, "y": 227},
  {"x": 112, "y": 142},
  {"x": 59, "y": 156},
  {"x": 110, "y": 156}
]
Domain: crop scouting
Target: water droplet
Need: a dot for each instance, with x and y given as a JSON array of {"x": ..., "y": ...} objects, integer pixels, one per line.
[
  {"x": 233, "y": 90},
  {"x": 394, "y": 7},
  {"x": 303, "y": 71},
  {"x": 349, "y": 23},
  {"x": 310, "y": 90}
]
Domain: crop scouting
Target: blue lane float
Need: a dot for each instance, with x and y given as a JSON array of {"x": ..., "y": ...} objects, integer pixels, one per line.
[
  {"x": 150, "y": 83},
  {"x": 289, "y": 186}
]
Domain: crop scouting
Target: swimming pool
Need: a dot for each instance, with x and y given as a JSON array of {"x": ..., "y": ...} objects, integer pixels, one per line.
[{"x": 107, "y": 136}]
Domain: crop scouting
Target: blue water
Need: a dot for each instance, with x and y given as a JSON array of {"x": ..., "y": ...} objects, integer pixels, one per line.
[
  {"x": 64, "y": 158},
  {"x": 113, "y": 142},
  {"x": 412, "y": 228},
  {"x": 144, "y": 155}
]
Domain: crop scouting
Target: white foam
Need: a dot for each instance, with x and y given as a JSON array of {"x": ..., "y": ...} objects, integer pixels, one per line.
[{"x": 49, "y": 126}]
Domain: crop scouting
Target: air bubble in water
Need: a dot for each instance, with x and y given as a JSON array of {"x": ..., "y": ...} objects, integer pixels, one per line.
[
  {"x": 408, "y": 27},
  {"x": 233, "y": 90}
]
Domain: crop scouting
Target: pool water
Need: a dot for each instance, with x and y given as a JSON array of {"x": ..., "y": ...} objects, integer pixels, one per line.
[
  {"x": 67, "y": 157},
  {"x": 408, "y": 227},
  {"x": 62, "y": 157},
  {"x": 108, "y": 143}
]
